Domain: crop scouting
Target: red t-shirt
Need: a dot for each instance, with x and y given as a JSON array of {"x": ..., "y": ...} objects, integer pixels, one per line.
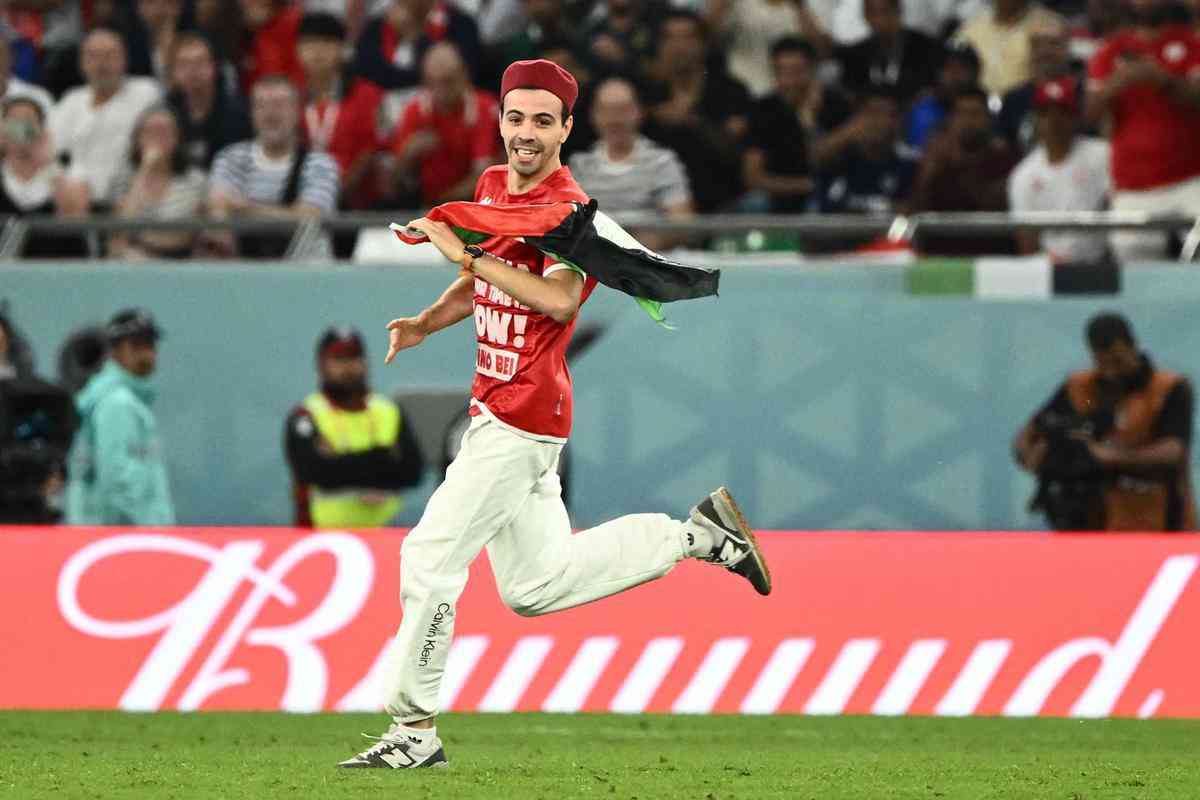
[
  {"x": 465, "y": 138},
  {"x": 1154, "y": 138},
  {"x": 521, "y": 375},
  {"x": 272, "y": 50}
]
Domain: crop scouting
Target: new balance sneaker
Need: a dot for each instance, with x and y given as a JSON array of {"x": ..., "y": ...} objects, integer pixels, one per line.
[
  {"x": 735, "y": 547},
  {"x": 395, "y": 750}
]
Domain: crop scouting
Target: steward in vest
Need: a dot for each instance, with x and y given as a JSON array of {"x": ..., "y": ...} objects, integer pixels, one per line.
[
  {"x": 1111, "y": 447},
  {"x": 349, "y": 449}
]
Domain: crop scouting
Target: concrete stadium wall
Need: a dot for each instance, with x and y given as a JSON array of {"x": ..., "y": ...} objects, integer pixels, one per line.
[{"x": 824, "y": 397}]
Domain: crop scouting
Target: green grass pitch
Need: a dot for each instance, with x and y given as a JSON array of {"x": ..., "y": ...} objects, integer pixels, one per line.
[{"x": 529, "y": 756}]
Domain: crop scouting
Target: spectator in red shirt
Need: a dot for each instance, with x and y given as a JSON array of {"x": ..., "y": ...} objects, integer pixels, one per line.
[
  {"x": 271, "y": 31},
  {"x": 447, "y": 133},
  {"x": 1146, "y": 81},
  {"x": 339, "y": 111}
]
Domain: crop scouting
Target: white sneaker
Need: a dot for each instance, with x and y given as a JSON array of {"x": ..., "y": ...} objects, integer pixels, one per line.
[{"x": 396, "y": 750}]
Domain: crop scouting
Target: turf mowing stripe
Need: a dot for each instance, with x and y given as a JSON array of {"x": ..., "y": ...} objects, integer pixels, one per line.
[
  {"x": 777, "y": 676},
  {"x": 909, "y": 677},
  {"x": 465, "y": 652},
  {"x": 975, "y": 678},
  {"x": 517, "y": 673},
  {"x": 843, "y": 677},
  {"x": 714, "y": 672},
  {"x": 582, "y": 674},
  {"x": 647, "y": 675}
]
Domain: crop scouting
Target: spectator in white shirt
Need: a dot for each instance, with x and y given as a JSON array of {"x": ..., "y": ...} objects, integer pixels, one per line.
[
  {"x": 12, "y": 86},
  {"x": 92, "y": 125},
  {"x": 625, "y": 171},
  {"x": 749, "y": 28},
  {"x": 1065, "y": 172}
]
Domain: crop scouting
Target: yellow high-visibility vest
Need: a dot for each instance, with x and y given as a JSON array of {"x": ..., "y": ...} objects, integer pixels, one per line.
[{"x": 353, "y": 432}]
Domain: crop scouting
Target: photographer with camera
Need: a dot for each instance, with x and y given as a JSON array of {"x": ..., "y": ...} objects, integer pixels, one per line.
[
  {"x": 117, "y": 475},
  {"x": 1111, "y": 447},
  {"x": 37, "y": 421}
]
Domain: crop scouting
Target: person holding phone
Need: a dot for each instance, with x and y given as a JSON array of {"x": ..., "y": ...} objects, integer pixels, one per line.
[{"x": 30, "y": 180}]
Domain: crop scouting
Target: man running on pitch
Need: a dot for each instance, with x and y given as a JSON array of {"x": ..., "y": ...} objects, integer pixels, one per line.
[{"x": 502, "y": 491}]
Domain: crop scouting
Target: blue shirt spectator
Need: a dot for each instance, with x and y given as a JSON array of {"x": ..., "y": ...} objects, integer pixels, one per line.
[{"x": 959, "y": 70}]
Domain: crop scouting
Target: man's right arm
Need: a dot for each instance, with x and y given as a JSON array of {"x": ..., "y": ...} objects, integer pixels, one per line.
[
  {"x": 1104, "y": 82},
  {"x": 1100, "y": 97},
  {"x": 756, "y": 175},
  {"x": 1029, "y": 447},
  {"x": 455, "y": 305},
  {"x": 829, "y": 149}
]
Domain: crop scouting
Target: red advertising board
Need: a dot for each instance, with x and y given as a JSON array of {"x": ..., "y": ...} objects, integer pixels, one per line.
[{"x": 889, "y": 623}]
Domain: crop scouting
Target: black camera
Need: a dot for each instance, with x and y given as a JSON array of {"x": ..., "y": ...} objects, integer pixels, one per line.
[
  {"x": 1071, "y": 482},
  {"x": 37, "y": 424}
]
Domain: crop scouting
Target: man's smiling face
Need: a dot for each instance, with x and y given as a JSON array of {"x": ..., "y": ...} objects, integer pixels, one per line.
[{"x": 532, "y": 127}]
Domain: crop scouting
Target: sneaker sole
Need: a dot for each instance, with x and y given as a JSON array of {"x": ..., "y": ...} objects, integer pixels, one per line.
[
  {"x": 735, "y": 511},
  {"x": 435, "y": 761}
]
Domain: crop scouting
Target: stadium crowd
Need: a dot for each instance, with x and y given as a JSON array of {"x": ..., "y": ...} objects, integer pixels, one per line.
[{"x": 175, "y": 109}]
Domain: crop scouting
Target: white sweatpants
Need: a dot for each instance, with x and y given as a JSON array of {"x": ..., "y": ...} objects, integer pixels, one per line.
[
  {"x": 503, "y": 492},
  {"x": 1178, "y": 198}
]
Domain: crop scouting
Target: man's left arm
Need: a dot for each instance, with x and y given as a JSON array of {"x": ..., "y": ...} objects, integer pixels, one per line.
[
  {"x": 1172, "y": 436},
  {"x": 407, "y": 463},
  {"x": 556, "y": 295}
]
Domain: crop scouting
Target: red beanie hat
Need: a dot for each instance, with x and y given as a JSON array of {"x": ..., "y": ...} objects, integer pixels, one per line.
[{"x": 540, "y": 74}]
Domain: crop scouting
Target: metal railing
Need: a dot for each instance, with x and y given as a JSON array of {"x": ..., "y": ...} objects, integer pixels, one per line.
[{"x": 306, "y": 234}]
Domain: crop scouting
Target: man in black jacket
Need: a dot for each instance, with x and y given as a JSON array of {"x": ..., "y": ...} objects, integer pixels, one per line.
[
  {"x": 350, "y": 450},
  {"x": 210, "y": 117},
  {"x": 899, "y": 59}
]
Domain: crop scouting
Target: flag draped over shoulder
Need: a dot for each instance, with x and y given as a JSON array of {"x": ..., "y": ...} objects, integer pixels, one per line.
[{"x": 584, "y": 237}]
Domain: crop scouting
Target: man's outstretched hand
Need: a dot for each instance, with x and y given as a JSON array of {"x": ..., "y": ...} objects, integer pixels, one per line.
[
  {"x": 403, "y": 334},
  {"x": 442, "y": 235}
]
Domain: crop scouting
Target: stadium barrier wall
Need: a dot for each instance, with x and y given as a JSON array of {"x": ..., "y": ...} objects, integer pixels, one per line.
[
  {"x": 825, "y": 396},
  {"x": 936, "y": 624}
]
